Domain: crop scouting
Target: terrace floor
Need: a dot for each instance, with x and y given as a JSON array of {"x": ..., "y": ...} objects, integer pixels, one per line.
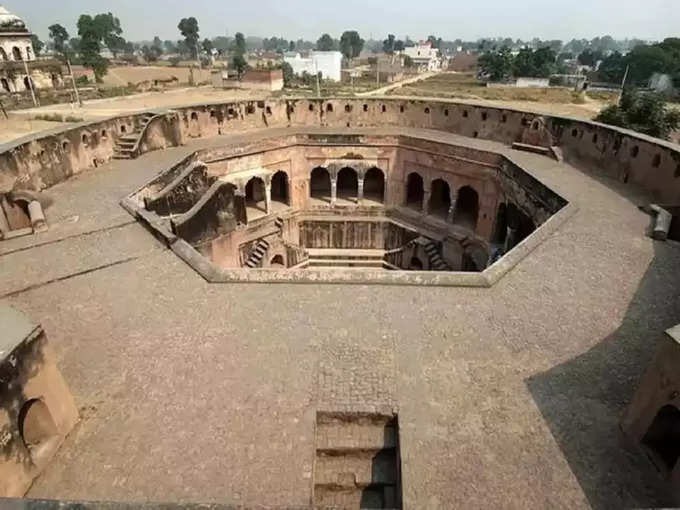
[{"x": 507, "y": 397}]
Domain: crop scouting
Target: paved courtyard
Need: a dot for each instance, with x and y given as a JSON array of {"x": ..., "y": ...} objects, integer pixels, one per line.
[{"x": 508, "y": 397}]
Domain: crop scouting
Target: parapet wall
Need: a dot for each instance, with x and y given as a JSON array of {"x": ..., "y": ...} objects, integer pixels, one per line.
[{"x": 42, "y": 160}]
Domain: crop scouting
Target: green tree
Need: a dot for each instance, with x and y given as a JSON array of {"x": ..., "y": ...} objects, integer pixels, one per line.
[
  {"x": 589, "y": 57},
  {"x": 642, "y": 112},
  {"x": 157, "y": 43},
  {"x": 240, "y": 64},
  {"x": 325, "y": 43},
  {"x": 169, "y": 47},
  {"x": 497, "y": 65},
  {"x": 399, "y": 45},
  {"x": 613, "y": 68},
  {"x": 435, "y": 41},
  {"x": 188, "y": 27},
  {"x": 59, "y": 37},
  {"x": 288, "y": 75},
  {"x": 207, "y": 46},
  {"x": 151, "y": 53},
  {"x": 38, "y": 45},
  {"x": 644, "y": 61},
  {"x": 109, "y": 29},
  {"x": 291, "y": 46},
  {"x": 240, "y": 44},
  {"x": 388, "y": 44},
  {"x": 90, "y": 32},
  {"x": 351, "y": 44}
]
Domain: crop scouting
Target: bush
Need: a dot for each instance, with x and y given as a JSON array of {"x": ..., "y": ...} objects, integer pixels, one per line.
[
  {"x": 642, "y": 112},
  {"x": 174, "y": 61},
  {"x": 82, "y": 80}
]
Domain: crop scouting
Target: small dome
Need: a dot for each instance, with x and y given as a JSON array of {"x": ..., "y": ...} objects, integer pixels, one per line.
[{"x": 10, "y": 22}]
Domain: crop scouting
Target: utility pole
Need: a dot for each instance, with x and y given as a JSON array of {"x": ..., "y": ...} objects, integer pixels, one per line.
[
  {"x": 30, "y": 84},
  {"x": 73, "y": 81},
  {"x": 623, "y": 84}
]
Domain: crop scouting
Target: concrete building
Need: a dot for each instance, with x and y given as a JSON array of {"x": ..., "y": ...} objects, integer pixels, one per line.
[
  {"x": 253, "y": 79},
  {"x": 17, "y": 55},
  {"x": 424, "y": 57},
  {"x": 328, "y": 63}
]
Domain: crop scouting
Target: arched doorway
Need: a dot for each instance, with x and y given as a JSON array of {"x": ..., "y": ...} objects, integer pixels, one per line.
[
  {"x": 16, "y": 53},
  {"x": 28, "y": 83},
  {"x": 38, "y": 430},
  {"x": 663, "y": 436},
  {"x": 374, "y": 186},
  {"x": 415, "y": 192},
  {"x": 3, "y": 54},
  {"x": 467, "y": 207},
  {"x": 5, "y": 85},
  {"x": 320, "y": 184},
  {"x": 277, "y": 262},
  {"x": 255, "y": 197},
  {"x": 280, "y": 188},
  {"x": 415, "y": 264},
  {"x": 348, "y": 184},
  {"x": 520, "y": 222},
  {"x": 440, "y": 200}
]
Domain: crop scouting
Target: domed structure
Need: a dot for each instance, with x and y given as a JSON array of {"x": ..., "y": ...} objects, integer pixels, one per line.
[{"x": 10, "y": 22}]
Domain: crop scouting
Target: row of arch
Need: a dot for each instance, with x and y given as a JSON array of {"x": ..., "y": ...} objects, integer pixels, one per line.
[
  {"x": 461, "y": 207},
  {"x": 349, "y": 186},
  {"x": 16, "y": 54}
]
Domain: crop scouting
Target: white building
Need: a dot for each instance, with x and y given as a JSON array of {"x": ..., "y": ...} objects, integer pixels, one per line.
[
  {"x": 424, "y": 57},
  {"x": 16, "y": 48},
  {"x": 328, "y": 63}
]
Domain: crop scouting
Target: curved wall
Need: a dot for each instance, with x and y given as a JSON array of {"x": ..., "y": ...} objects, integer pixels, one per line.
[{"x": 45, "y": 159}]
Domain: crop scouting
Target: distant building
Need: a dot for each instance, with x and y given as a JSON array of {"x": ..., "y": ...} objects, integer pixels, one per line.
[
  {"x": 328, "y": 63},
  {"x": 253, "y": 79},
  {"x": 16, "y": 55},
  {"x": 424, "y": 57}
]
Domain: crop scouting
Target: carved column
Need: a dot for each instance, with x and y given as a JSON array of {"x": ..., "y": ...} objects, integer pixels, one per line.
[
  {"x": 427, "y": 194},
  {"x": 334, "y": 190},
  {"x": 510, "y": 239},
  {"x": 360, "y": 191},
  {"x": 268, "y": 197},
  {"x": 452, "y": 209}
]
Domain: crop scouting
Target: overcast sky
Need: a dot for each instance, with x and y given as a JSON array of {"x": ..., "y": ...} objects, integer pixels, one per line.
[{"x": 292, "y": 19}]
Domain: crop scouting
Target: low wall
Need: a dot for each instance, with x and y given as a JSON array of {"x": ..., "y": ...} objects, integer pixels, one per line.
[{"x": 42, "y": 160}]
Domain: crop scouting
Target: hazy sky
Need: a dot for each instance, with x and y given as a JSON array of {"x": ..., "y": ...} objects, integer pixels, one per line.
[{"x": 450, "y": 19}]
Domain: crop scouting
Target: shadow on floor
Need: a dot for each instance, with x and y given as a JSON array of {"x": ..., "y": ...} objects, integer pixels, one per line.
[{"x": 582, "y": 400}]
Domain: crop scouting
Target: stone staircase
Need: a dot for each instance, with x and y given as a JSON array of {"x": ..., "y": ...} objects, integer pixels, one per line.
[
  {"x": 279, "y": 223},
  {"x": 436, "y": 261},
  {"x": 126, "y": 146},
  {"x": 258, "y": 253}
]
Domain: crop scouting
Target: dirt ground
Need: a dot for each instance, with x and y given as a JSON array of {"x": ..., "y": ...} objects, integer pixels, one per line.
[
  {"x": 465, "y": 87},
  {"x": 121, "y": 76},
  {"x": 18, "y": 125}
]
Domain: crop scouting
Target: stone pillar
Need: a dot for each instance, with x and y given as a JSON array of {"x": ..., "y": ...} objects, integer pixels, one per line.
[
  {"x": 35, "y": 213},
  {"x": 268, "y": 197},
  {"x": 4, "y": 224},
  {"x": 334, "y": 190},
  {"x": 427, "y": 194},
  {"x": 452, "y": 209},
  {"x": 510, "y": 239},
  {"x": 360, "y": 191}
]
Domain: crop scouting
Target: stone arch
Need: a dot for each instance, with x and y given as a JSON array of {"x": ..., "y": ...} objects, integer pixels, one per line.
[
  {"x": 663, "y": 436},
  {"x": 255, "y": 194},
  {"x": 38, "y": 429},
  {"x": 16, "y": 53},
  {"x": 415, "y": 264},
  {"x": 28, "y": 83},
  {"x": 3, "y": 55},
  {"x": 520, "y": 223},
  {"x": 277, "y": 261},
  {"x": 415, "y": 191},
  {"x": 348, "y": 183},
  {"x": 467, "y": 207},
  {"x": 374, "y": 185},
  {"x": 440, "y": 199},
  {"x": 5, "y": 84},
  {"x": 279, "y": 187},
  {"x": 320, "y": 184},
  {"x": 28, "y": 53}
]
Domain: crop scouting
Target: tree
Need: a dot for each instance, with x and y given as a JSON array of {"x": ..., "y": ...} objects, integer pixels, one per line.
[
  {"x": 388, "y": 44},
  {"x": 151, "y": 53},
  {"x": 291, "y": 46},
  {"x": 90, "y": 45},
  {"x": 109, "y": 30},
  {"x": 497, "y": 65},
  {"x": 222, "y": 43},
  {"x": 240, "y": 64},
  {"x": 59, "y": 36},
  {"x": 642, "y": 112},
  {"x": 644, "y": 61},
  {"x": 157, "y": 43},
  {"x": 613, "y": 68},
  {"x": 435, "y": 42},
  {"x": 188, "y": 27},
  {"x": 169, "y": 47},
  {"x": 399, "y": 45},
  {"x": 207, "y": 46},
  {"x": 240, "y": 44},
  {"x": 38, "y": 45},
  {"x": 325, "y": 43},
  {"x": 288, "y": 75},
  {"x": 351, "y": 44},
  {"x": 589, "y": 57}
]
